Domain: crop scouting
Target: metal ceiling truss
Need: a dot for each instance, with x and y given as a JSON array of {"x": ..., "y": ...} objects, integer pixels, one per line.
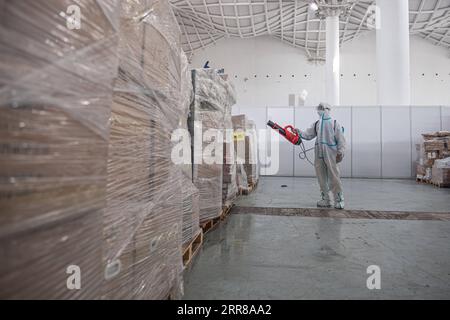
[{"x": 204, "y": 22}]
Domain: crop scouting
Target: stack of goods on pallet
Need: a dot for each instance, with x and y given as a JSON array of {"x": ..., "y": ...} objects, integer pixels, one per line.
[
  {"x": 55, "y": 102},
  {"x": 143, "y": 217},
  {"x": 246, "y": 145},
  {"x": 434, "y": 147},
  {"x": 229, "y": 187},
  {"x": 241, "y": 178},
  {"x": 191, "y": 212},
  {"x": 89, "y": 187},
  {"x": 213, "y": 96},
  {"x": 191, "y": 209},
  {"x": 239, "y": 136},
  {"x": 440, "y": 172},
  {"x": 251, "y": 153}
]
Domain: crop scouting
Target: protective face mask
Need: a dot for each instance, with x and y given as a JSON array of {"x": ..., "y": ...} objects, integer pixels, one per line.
[{"x": 320, "y": 113}]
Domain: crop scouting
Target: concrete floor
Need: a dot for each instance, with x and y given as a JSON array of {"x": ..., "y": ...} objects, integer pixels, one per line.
[
  {"x": 360, "y": 194},
  {"x": 279, "y": 257},
  {"x": 258, "y": 255}
]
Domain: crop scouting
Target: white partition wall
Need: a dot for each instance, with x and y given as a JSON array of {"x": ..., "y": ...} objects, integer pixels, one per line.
[
  {"x": 395, "y": 142},
  {"x": 366, "y": 155},
  {"x": 380, "y": 140},
  {"x": 445, "y": 118}
]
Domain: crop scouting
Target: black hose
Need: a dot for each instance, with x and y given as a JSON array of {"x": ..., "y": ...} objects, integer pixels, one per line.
[{"x": 302, "y": 155}]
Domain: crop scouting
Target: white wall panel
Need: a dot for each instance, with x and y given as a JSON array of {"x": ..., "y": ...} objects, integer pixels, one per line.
[
  {"x": 445, "y": 118},
  {"x": 282, "y": 116},
  {"x": 380, "y": 143},
  {"x": 366, "y": 154},
  {"x": 396, "y": 145}
]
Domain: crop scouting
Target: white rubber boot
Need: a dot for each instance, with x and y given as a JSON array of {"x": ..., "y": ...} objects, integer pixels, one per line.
[
  {"x": 339, "y": 201},
  {"x": 325, "y": 202}
]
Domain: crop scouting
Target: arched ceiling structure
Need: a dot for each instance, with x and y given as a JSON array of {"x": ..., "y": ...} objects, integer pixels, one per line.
[{"x": 204, "y": 22}]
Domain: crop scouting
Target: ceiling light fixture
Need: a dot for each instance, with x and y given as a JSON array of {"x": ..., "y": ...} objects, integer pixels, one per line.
[{"x": 313, "y": 6}]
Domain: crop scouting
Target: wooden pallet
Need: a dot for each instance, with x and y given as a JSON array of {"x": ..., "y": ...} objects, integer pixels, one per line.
[
  {"x": 246, "y": 191},
  {"x": 192, "y": 248},
  {"x": 440, "y": 185},
  {"x": 436, "y": 184},
  {"x": 212, "y": 223},
  {"x": 249, "y": 189},
  {"x": 209, "y": 224},
  {"x": 226, "y": 212},
  {"x": 420, "y": 180}
]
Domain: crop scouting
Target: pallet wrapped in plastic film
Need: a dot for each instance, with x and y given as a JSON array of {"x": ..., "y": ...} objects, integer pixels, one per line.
[
  {"x": 88, "y": 186},
  {"x": 229, "y": 183},
  {"x": 245, "y": 143},
  {"x": 440, "y": 172},
  {"x": 191, "y": 209},
  {"x": 212, "y": 95},
  {"x": 241, "y": 178},
  {"x": 251, "y": 153},
  {"x": 55, "y": 100},
  {"x": 143, "y": 217},
  {"x": 435, "y": 146},
  {"x": 239, "y": 128}
]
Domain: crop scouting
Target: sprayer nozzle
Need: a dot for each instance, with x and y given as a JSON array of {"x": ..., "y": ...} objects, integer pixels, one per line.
[{"x": 270, "y": 124}]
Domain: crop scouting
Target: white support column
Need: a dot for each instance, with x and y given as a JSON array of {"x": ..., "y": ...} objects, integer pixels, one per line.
[
  {"x": 393, "y": 75},
  {"x": 332, "y": 60}
]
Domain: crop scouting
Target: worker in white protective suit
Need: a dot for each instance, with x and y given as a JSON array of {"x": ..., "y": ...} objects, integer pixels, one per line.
[{"x": 329, "y": 151}]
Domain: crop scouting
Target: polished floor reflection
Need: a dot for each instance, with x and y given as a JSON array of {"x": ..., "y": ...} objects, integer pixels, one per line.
[{"x": 254, "y": 256}]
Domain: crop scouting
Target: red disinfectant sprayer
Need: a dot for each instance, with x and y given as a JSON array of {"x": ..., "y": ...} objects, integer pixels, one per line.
[{"x": 288, "y": 132}]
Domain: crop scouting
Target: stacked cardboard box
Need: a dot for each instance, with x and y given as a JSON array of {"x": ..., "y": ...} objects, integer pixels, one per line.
[
  {"x": 191, "y": 209},
  {"x": 54, "y": 108},
  {"x": 239, "y": 122},
  {"x": 212, "y": 97},
  {"x": 240, "y": 147},
  {"x": 87, "y": 178},
  {"x": 251, "y": 154},
  {"x": 434, "y": 147},
  {"x": 229, "y": 187},
  {"x": 143, "y": 217},
  {"x": 440, "y": 172},
  {"x": 246, "y": 145}
]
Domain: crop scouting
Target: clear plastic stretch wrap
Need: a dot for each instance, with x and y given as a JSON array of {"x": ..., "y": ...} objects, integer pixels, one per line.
[
  {"x": 239, "y": 135},
  {"x": 55, "y": 100},
  {"x": 191, "y": 209},
  {"x": 251, "y": 153},
  {"x": 87, "y": 182},
  {"x": 143, "y": 217},
  {"x": 241, "y": 177},
  {"x": 229, "y": 187},
  {"x": 186, "y": 99},
  {"x": 212, "y": 96}
]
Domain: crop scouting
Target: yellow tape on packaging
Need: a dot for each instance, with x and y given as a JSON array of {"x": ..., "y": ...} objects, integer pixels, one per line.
[{"x": 239, "y": 136}]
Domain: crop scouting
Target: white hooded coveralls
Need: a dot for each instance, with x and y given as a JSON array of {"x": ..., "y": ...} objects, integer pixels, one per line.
[{"x": 330, "y": 141}]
